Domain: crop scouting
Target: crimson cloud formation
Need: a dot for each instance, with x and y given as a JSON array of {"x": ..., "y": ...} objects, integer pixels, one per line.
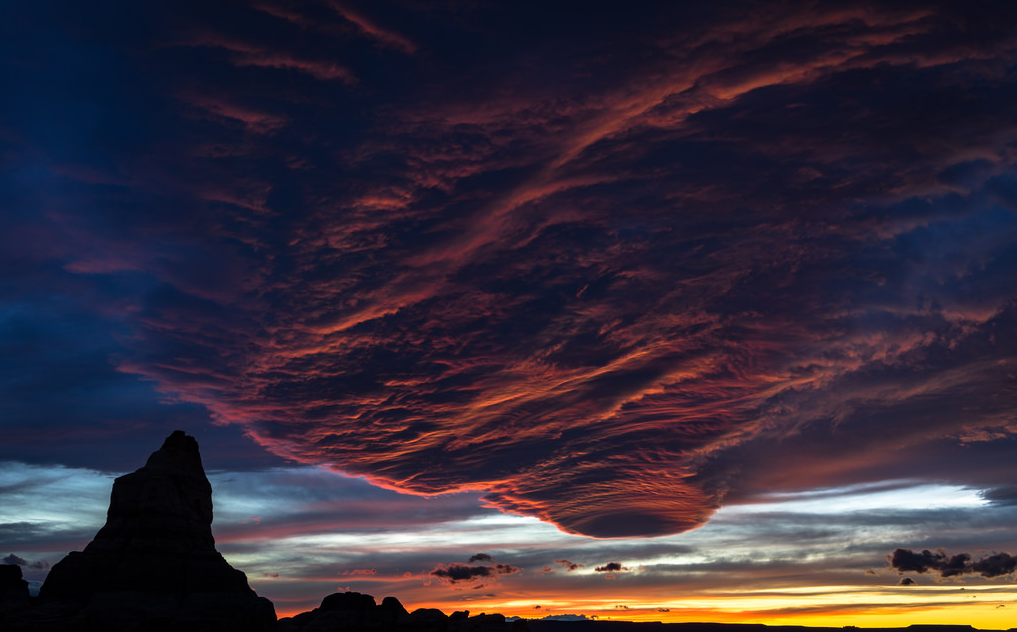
[{"x": 614, "y": 266}]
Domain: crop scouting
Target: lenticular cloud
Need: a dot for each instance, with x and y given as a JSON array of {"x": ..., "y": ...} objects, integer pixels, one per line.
[{"x": 737, "y": 253}]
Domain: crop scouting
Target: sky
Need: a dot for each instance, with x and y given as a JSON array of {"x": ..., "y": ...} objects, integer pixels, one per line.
[{"x": 674, "y": 311}]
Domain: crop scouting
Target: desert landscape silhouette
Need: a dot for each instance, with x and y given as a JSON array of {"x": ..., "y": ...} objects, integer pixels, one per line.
[
  {"x": 154, "y": 566},
  {"x": 580, "y": 313}
]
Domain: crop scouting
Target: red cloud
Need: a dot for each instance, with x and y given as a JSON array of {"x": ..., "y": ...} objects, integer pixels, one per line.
[{"x": 613, "y": 295}]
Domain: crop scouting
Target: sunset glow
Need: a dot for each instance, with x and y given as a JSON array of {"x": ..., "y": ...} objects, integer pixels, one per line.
[{"x": 643, "y": 311}]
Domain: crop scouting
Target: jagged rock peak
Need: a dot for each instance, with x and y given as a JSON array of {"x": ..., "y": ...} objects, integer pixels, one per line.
[
  {"x": 155, "y": 558},
  {"x": 167, "y": 504},
  {"x": 178, "y": 452}
]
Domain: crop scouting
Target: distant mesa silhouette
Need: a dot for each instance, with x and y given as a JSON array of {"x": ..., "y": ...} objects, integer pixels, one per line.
[{"x": 354, "y": 612}]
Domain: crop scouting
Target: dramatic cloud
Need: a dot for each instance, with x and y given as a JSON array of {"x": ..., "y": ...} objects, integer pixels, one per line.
[
  {"x": 615, "y": 274},
  {"x": 995, "y": 565},
  {"x": 480, "y": 557},
  {"x": 610, "y": 567},
  {"x": 569, "y": 566}
]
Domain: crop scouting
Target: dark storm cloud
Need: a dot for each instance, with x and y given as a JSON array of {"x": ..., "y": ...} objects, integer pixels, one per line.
[
  {"x": 480, "y": 557},
  {"x": 994, "y": 565},
  {"x": 610, "y": 567},
  {"x": 907, "y": 560},
  {"x": 906, "y": 581},
  {"x": 612, "y": 271}
]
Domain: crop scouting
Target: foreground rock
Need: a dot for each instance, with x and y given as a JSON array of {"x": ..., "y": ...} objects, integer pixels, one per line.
[
  {"x": 355, "y": 612},
  {"x": 154, "y": 565},
  {"x": 13, "y": 589}
]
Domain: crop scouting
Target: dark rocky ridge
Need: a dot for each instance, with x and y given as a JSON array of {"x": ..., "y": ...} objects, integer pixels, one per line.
[{"x": 354, "y": 612}]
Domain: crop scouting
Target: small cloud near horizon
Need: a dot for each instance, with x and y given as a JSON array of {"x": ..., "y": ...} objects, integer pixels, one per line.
[
  {"x": 474, "y": 576},
  {"x": 569, "y": 566}
]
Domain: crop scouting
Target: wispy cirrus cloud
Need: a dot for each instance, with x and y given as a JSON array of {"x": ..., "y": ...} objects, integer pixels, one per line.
[
  {"x": 242, "y": 53},
  {"x": 382, "y": 35}
]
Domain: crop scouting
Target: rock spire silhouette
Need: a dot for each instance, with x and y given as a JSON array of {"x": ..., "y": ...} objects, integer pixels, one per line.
[{"x": 154, "y": 564}]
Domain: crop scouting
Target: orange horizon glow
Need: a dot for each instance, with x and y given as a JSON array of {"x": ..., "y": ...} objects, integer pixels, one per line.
[{"x": 824, "y": 606}]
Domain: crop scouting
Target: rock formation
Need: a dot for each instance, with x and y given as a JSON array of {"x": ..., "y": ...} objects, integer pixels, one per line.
[
  {"x": 355, "y": 612},
  {"x": 13, "y": 589},
  {"x": 154, "y": 565}
]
